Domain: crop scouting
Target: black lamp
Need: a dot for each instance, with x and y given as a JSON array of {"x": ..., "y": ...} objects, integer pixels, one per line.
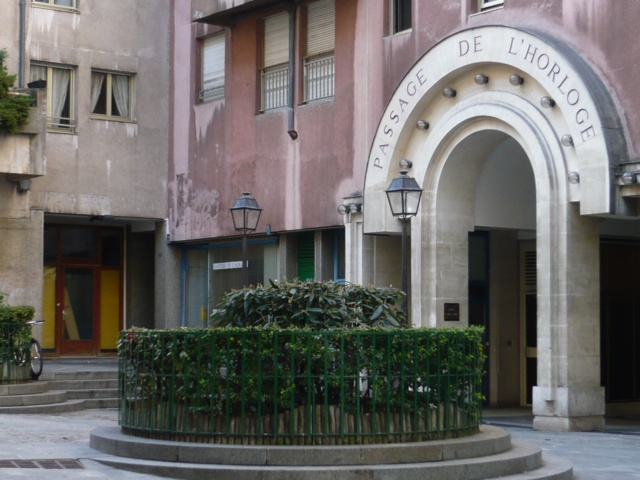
[
  {"x": 404, "y": 195},
  {"x": 245, "y": 214}
]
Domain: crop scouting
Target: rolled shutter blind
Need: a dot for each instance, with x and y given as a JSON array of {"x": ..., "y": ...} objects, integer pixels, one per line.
[
  {"x": 321, "y": 27},
  {"x": 276, "y": 40},
  {"x": 213, "y": 63}
]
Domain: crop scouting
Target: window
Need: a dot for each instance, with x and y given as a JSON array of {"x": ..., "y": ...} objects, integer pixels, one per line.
[
  {"x": 275, "y": 72},
  {"x": 59, "y": 3},
  {"x": 60, "y": 95},
  {"x": 400, "y": 15},
  {"x": 111, "y": 95},
  {"x": 489, "y": 4},
  {"x": 213, "y": 71},
  {"x": 319, "y": 62}
]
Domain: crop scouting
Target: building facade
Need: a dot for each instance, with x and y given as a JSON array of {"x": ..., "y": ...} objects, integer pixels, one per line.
[
  {"x": 83, "y": 207},
  {"x": 517, "y": 118}
]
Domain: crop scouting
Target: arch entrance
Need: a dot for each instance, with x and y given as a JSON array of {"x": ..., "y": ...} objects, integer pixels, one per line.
[{"x": 516, "y": 170}]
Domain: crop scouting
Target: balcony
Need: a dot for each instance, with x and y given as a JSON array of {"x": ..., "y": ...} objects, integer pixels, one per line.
[{"x": 22, "y": 154}]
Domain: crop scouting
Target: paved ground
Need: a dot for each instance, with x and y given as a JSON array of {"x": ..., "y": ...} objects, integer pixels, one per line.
[
  {"x": 38, "y": 437},
  {"x": 612, "y": 455}
]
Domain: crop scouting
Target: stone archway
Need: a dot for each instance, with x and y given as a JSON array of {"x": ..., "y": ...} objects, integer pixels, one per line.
[{"x": 571, "y": 155}]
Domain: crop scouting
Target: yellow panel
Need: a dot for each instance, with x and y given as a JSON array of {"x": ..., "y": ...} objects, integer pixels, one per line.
[
  {"x": 109, "y": 308},
  {"x": 49, "y": 308}
]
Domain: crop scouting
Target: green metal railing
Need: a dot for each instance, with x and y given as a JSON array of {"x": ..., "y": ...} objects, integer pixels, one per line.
[
  {"x": 14, "y": 352},
  {"x": 284, "y": 387}
]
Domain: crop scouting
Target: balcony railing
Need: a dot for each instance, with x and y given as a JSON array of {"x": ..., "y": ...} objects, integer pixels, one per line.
[
  {"x": 61, "y": 124},
  {"x": 319, "y": 77},
  {"x": 275, "y": 87}
]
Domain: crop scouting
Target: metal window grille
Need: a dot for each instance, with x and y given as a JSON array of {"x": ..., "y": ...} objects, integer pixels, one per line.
[
  {"x": 319, "y": 77},
  {"x": 275, "y": 87}
]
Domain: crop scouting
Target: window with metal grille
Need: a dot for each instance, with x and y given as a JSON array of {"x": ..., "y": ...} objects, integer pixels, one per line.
[
  {"x": 275, "y": 72},
  {"x": 400, "y": 15},
  {"x": 319, "y": 62},
  {"x": 489, "y": 4},
  {"x": 57, "y": 3},
  {"x": 59, "y": 82},
  {"x": 213, "y": 67}
]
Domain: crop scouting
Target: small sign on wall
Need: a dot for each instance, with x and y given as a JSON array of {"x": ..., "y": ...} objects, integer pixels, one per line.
[
  {"x": 451, "y": 312},
  {"x": 227, "y": 265}
]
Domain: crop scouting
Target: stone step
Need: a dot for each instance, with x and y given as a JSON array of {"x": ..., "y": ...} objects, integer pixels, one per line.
[
  {"x": 29, "y": 388},
  {"x": 81, "y": 375},
  {"x": 520, "y": 461},
  {"x": 94, "y": 384},
  {"x": 101, "y": 403},
  {"x": 93, "y": 393},
  {"x": 44, "y": 398},
  {"x": 490, "y": 454},
  {"x": 63, "y": 407}
]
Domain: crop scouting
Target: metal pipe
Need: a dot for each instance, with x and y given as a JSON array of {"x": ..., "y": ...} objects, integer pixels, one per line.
[
  {"x": 21, "y": 41},
  {"x": 292, "y": 51}
]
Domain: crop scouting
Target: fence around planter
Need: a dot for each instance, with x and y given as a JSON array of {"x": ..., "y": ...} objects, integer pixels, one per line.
[
  {"x": 14, "y": 346},
  {"x": 297, "y": 387}
]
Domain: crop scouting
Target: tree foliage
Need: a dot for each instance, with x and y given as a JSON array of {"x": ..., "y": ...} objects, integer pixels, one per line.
[{"x": 14, "y": 108}]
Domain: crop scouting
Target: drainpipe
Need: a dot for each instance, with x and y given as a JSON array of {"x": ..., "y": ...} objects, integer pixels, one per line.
[
  {"x": 21, "y": 41},
  {"x": 292, "y": 51}
]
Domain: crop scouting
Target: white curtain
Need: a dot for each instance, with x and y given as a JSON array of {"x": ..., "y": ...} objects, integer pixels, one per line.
[
  {"x": 59, "y": 91},
  {"x": 120, "y": 89},
  {"x": 97, "y": 81}
]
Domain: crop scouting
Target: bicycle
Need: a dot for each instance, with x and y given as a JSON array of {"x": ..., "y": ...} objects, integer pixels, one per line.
[{"x": 30, "y": 353}]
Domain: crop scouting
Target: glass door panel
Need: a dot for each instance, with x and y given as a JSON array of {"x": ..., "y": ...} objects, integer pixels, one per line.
[{"x": 78, "y": 311}]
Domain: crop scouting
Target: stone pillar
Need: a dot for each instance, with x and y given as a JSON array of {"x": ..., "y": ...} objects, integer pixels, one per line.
[
  {"x": 167, "y": 281},
  {"x": 568, "y": 396}
]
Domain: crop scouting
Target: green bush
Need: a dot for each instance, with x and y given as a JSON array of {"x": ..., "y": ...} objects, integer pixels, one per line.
[
  {"x": 17, "y": 314},
  {"x": 311, "y": 304},
  {"x": 14, "y": 109}
]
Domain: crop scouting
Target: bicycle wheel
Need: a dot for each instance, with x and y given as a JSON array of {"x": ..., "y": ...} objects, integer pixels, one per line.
[
  {"x": 36, "y": 359},
  {"x": 20, "y": 356}
]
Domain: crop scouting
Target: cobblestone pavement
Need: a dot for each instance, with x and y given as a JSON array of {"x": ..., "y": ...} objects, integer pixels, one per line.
[
  {"x": 65, "y": 438},
  {"x": 62, "y": 437}
]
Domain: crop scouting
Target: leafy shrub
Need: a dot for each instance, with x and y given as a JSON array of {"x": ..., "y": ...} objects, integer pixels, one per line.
[
  {"x": 311, "y": 304},
  {"x": 14, "y": 109},
  {"x": 17, "y": 314}
]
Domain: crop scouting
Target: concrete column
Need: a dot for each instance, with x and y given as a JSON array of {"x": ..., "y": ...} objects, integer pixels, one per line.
[
  {"x": 21, "y": 259},
  {"x": 568, "y": 396},
  {"x": 167, "y": 281}
]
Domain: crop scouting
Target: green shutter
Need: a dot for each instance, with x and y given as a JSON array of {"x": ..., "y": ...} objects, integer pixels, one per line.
[{"x": 306, "y": 256}]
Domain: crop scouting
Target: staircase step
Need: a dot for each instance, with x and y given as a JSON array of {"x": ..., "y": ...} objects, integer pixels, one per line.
[
  {"x": 101, "y": 403},
  {"x": 45, "y": 398},
  {"x": 518, "y": 460},
  {"x": 29, "y": 388},
  {"x": 553, "y": 468},
  {"x": 95, "y": 393},
  {"x": 63, "y": 407},
  {"x": 95, "y": 384},
  {"x": 81, "y": 375}
]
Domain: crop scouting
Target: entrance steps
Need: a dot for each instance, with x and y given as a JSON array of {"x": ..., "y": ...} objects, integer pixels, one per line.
[
  {"x": 59, "y": 392},
  {"x": 490, "y": 454}
]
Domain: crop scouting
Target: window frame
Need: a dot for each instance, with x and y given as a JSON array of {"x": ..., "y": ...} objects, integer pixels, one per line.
[
  {"x": 397, "y": 18},
  {"x": 322, "y": 62},
  {"x": 59, "y": 126},
  {"x": 486, "y": 5},
  {"x": 109, "y": 94},
  {"x": 217, "y": 92},
  {"x": 277, "y": 71},
  {"x": 51, "y": 4}
]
